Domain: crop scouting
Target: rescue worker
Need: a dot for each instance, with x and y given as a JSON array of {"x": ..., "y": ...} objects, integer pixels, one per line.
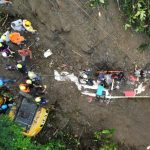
[
  {"x": 40, "y": 100},
  {"x": 3, "y": 46},
  {"x": 28, "y": 26},
  {"x": 101, "y": 92},
  {"x": 5, "y": 37},
  {"x": 30, "y": 83},
  {"x": 5, "y": 51},
  {"x": 3, "y": 108},
  {"x": 16, "y": 38},
  {"x": 139, "y": 73},
  {"x": 7, "y": 96},
  {"x": 38, "y": 90},
  {"x": 24, "y": 53},
  {"x": 4, "y": 81},
  {"x": 21, "y": 68},
  {"x": 33, "y": 76},
  {"x": 24, "y": 88}
]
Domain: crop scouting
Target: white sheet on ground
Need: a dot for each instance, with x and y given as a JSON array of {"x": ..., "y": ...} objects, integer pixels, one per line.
[
  {"x": 65, "y": 76},
  {"x": 89, "y": 93},
  {"x": 140, "y": 89}
]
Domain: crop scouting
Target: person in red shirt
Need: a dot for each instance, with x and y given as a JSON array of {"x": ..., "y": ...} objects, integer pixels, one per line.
[{"x": 24, "y": 53}]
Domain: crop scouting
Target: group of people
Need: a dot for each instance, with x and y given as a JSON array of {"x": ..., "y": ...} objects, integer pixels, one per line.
[
  {"x": 31, "y": 83},
  {"x": 32, "y": 86},
  {"x": 104, "y": 82},
  {"x": 7, "y": 96}
]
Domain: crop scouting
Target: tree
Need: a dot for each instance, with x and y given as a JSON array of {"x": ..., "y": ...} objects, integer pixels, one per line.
[
  {"x": 137, "y": 14},
  {"x": 11, "y": 138}
]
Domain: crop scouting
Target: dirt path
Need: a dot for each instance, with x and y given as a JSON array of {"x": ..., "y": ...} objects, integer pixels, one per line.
[{"x": 79, "y": 38}]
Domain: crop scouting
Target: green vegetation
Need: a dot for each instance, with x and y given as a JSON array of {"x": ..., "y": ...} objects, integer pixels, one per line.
[
  {"x": 143, "y": 47},
  {"x": 137, "y": 14},
  {"x": 104, "y": 138},
  {"x": 98, "y": 3},
  {"x": 12, "y": 138},
  {"x": 70, "y": 140}
]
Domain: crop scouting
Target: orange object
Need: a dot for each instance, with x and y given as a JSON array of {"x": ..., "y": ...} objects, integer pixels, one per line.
[
  {"x": 16, "y": 38},
  {"x": 24, "y": 88}
]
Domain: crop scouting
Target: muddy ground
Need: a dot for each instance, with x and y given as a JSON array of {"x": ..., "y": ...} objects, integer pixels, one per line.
[{"x": 79, "y": 38}]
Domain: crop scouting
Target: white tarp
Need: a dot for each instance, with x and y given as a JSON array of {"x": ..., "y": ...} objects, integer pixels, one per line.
[{"x": 65, "y": 76}]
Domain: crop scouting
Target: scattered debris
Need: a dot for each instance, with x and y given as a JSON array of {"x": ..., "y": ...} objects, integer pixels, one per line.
[
  {"x": 47, "y": 53},
  {"x": 28, "y": 26}
]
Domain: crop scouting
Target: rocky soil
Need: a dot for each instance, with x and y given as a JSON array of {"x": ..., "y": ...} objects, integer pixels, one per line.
[{"x": 79, "y": 38}]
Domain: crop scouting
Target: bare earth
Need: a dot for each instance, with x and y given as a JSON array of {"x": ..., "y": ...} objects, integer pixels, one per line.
[{"x": 80, "y": 38}]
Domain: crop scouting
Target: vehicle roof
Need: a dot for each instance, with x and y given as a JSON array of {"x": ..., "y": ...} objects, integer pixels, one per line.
[{"x": 26, "y": 112}]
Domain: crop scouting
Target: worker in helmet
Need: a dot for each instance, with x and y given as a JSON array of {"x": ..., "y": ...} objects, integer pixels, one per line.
[
  {"x": 16, "y": 38},
  {"x": 5, "y": 37},
  {"x": 3, "y": 81},
  {"x": 40, "y": 100},
  {"x": 38, "y": 89},
  {"x": 30, "y": 83},
  {"x": 24, "y": 88},
  {"x": 33, "y": 76},
  {"x": 24, "y": 53},
  {"x": 28, "y": 26},
  {"x": 21, "y": 68}
]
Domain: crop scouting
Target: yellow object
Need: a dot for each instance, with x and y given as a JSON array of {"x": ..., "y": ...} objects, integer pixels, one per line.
[
  {"x": 22, "y": 87},
  {"x": 19, "y": 66},
  {"x": 38, "y": 122},
  {"x": 1, "y": 100},
  {"x": 28, "y": 26},
  {"x": 27, "y": 23},
  {"x": 1, "y": 44},
  {"x": 37, "y": 99},
  {"x": 12, "y": 112},
  {"x": 29, "y": 81},
  {"x": 3, "y": 37}
]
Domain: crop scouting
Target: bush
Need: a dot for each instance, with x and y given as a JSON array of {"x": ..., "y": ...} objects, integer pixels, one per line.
[
  {"x": 12, "y": 138},
  {"x": 105, "y": 139},
  {"x": 137, "y": 14},
  {"x": 98, "y": 3}
]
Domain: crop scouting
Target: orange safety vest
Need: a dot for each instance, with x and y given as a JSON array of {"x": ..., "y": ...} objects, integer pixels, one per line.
[{"x": 26, "y": 90}]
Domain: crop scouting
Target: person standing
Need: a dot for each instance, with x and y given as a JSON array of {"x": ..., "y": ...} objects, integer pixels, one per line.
[{"x": 24, "y": 53}]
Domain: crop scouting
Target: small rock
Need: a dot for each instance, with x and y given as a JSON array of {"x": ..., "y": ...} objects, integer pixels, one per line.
[{"x": 67, "y": 28}]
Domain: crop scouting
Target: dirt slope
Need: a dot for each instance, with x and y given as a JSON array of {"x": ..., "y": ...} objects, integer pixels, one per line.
[{"x": 79, "y": 37}]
